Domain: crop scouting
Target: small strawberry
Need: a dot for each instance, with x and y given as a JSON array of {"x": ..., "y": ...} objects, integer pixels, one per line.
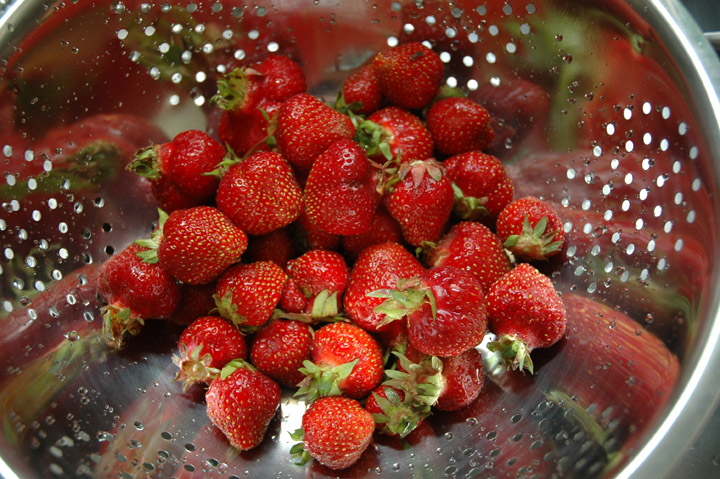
[
  {"x": 473, "y": 247},
  {"x": 482, "y": 186},
  {"x": 530, "y": 228},
  {"x": 421, "y": 201},
  {"x": 177, "y": 169},
  {"x": 279, "y": 350},
  {"x": 360, "y": 92},
  {"x": 247, "y": 294},
  {"x": 394, "y": 133},
  {"x": 377, "y": 267},
  {"x": 459, "y": 125},
  {"x": 277, "y": 247},
  {"x": 525, "y": 312},
  {"x": 409, "y": 74},
  {"x": 384, "y": 228},
  {"x": 205, "y": 347},
  {"x": 260, "y": 193},
  {"x": 241, "y": 402},
  {"x": 345, "y": 359},
  {"x": 306, "y": 127},
  {"x": 341, "y": 191}
]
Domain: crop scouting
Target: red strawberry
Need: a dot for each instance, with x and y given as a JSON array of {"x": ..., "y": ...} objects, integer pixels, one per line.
[
  {"x": 421, "y": 201},
  {"x": 530, "y": 228},
  {"x": 279, "y": 349},
  {"x": 472, "y": 247},
  {"x": 445, "y": 310},
  {"x": 246, "y": 132},
  {"x": 395, "y": 133},
  {"x": 277, "y": 247},
  {"x": 320, "y": 277},
  {"x": 341, "y": 191},
  {"x": 378, "y": 267},
  {"x": 335, "y": 432},
  {"x": 345, "y": 360},
  {"x": 361, "y": 92},
  {"x": 205, "y": 347},
  {"x": 248, "y": 293},
  {"x": 482, "y": 187},
  {"x": 177, "y": 169},
  {"x": 463, "y": 377},
  {"x": 409, "y": 74},
  {"x": 384, "y": 228},
  {"x": 196, "y": 300},
  {"x": 195, "y": 245},
  {"x": 260, "y": 193},
  {"x": 307, "y": 127},
  {"x": 134, "y": 291},
  {"x": 459, "y": 125},
  {"x": 525, "y": 312},
  {"x": 310, "y": 236},
  {"x": 241, "y": 402}
]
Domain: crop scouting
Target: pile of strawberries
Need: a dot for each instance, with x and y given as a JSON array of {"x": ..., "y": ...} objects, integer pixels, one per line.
[{"x": 357, "y": 253}]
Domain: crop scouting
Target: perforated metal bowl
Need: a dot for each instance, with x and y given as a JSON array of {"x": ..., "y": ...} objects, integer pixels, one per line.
[{"x": 619, "y": 129}]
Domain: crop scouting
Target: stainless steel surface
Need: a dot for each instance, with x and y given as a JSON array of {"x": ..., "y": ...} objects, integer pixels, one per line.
[{"x": 627, "y": 148}]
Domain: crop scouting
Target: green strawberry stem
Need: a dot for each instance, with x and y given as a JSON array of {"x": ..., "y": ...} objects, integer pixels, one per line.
[
  {"x": 535, "y": 243},
  {"x": 374, "y": 138},
  {"x": 350, "y": 110},
  {"x": 469, "y": 208},
  {"x": 399, "y": 416},
  {"x": 514, "y": 352},
  {"x": 118, "y": 322},
  {"x": 421, "y": 382},
  {"x": 153, "y": 242},
  {"x": 321, "y": 381}
]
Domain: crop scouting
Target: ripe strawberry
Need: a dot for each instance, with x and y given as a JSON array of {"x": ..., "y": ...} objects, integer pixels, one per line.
[
  {"x": 445, "y": 310},
  {"x": 205, "y": 347},
  {"x": 134, "y": 291},
  {"x": 196, "y": 300},
  {"x": 421, "y": 201},
  {"x": 345, "y": 360},
  {"x": 277, "y": 247},
  {"x": 279, "y": 349},
  {"x": 335, "y": 432},
  {"x": 307, "y": 127},
  {"x": 459, "y": 125},
  {"x": 310, "y": 236},
  {"x": 195, "y": 245},
  {"x": 248, "y": 293},
  {"x": 246, "y": 132},
  {"x": 361, "y": 92},
  {"x": 409, "y": 74},
  {"x": 473, "y": 247},
  {"x": 177, "y": 169},
  {"x": 482, "y": 186},
  {"x": 260, "y": 193},
  {"x": 384, "y": 228},
  {"x": 341, "y": 191},
  {"x": 525, "y": 312},
  {"x": 463, "y": 379},
  {"x": 241, "y": 402},
  {"x": 378, "y": 267},
  {"x": 395, "y": 133},
  {"x": 530, "y": 228}
]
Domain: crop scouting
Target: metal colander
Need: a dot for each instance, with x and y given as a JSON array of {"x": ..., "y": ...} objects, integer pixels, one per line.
[{"x": 616, "y": 123}]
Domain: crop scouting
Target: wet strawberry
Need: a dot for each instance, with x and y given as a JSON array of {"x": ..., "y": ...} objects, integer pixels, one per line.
[
  {"x": 279, "y": 350},
  {"x": 395, "y": 133},
  {"x": 320, "y": 277},
  {"x": 248, "y": 132},
  {"x": 459, "y": 125},
  {"x": 361, "y": 92},
  {"x": 530, "y": 228}
]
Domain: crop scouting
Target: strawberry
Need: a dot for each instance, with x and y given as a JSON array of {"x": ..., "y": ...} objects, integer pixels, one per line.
[
  {"x": 196, "y": 300},
  {"x": 421, "y": 201},
  {"x": 277, "y": 247},
  {"x": 473, "y": 247},
  {"x": 525, "y": 312},
  {"x": 205, "y": 347},
  {"x": 394, "y": 133},
  {"x": 345, "y": 359},
  {"x": 177, "y": 169},
  {"x": 360, "y": 92},
  {"x": 241, "y": 402},
  {"x": 444, "y": 308},
  {"x": 459, "y": 125},
  {"x": 279, "y": 349},
  {"x": 247, "y": 294},
  {"x": 463, "y": 377},
  {"x": 133, "y": 291},
  {"x": 310, "y": 236},
  {"x": 245, "y": 133},
  {"x": 341, "y": 191},
  {"x": 409, "y": 74},
  {"x": 384, "y": 228},
  {"x": 335, "y": 432},
  {"x": 530, "y": 228},
  {"x": 306, "y": 127},
  {"x": 195, "y": 245},
  {"x": 482, "y": 186},
  {"x": 260, "y": 193},
  {"x": 377, "y": 267}
]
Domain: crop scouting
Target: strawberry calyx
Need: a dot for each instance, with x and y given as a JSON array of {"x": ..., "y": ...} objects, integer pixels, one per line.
[
  {"x": 150, "y": 255},
  {"x": 469, "y": 208},
  {"x": 409, "y": 296},
  {"x": 226, "y": 308},
  {"x": 399, "y": 416},
  {"x": 324, "y": 310},
  {"x": 375, "y": 138},
  {"x": 322, "y": 380},
  {"x": 514, "y": 352},
  {"x": 233, "y": 365},
  {"x": 533, "y": 242},
  {"x": 118, "y": 322},
  {"x": 347, "y": 109},
  {"x": 233, "y": 89},
  {"x": 194, "y": 366},
  {"x": 422, "y": 382},
  {"x": 298, "y": 454},
  {"x": 146, "y": 162}
]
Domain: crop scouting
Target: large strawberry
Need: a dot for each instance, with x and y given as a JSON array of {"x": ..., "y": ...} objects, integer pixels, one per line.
[
  {"x": 205, "y": 347},
  {"x": 241, "y": 402},
  {"x": 306, "y": 127},
  {"x": 360, "y": 92},
  {"x": 260, "y": 193},
  {"x": 525, "y": 312},
  {"x": 409, "y": 74},
  {"x": 280, "y": 348},
  {"x": 341, "y": 190},
  {"x": 335, "y": 432},
  {"x": 177, "y": 169},
  {"x": 459, "y": 125},
  {"x": 377, "y": 267},
  {"x": 530, "y": 228},
  {"x": 395, "y": 133}
]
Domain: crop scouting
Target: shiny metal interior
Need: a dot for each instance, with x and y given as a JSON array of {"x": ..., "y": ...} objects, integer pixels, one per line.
[{"x": 627, "y": 149}]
